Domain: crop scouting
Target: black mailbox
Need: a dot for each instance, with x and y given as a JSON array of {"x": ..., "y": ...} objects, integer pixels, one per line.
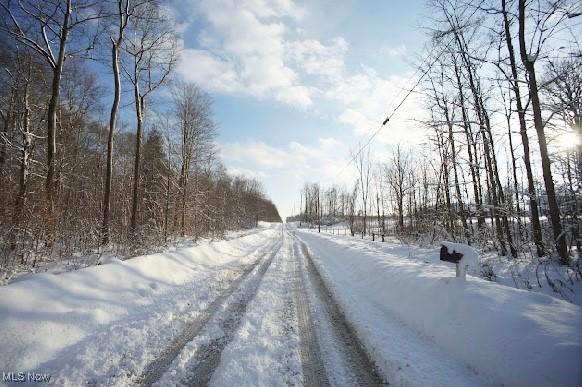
[{"x": 453, "y": 257}]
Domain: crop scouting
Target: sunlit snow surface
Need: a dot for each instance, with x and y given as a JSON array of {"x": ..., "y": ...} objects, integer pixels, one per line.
[
  {"x": 506, "y": 335},
  {"x": 104, "y": 324}
]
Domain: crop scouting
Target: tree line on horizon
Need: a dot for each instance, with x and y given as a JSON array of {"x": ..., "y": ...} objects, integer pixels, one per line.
[{"x": 101, "y": 146}]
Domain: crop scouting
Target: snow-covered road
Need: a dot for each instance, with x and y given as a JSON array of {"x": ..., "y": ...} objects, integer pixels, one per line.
[
  {"x": 280, "y": 327},
  {"x": 285, "y": 307}
]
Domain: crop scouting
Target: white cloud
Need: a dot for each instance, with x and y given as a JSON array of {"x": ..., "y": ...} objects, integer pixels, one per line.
[
  {"x": 315, "y": 58},
  {"x": 242, "y": 49},
  {"x": 253, "y": 47},
  {"x": 257, "y": 154},
  {"x": 284, "y": 169},
  {"x": 258, "y": 48},
  {"x": 295, "y": 95},
  {"x": 357, "y": 120},
  {"x": 329, "y": 143},
  {"x": 394, "y": 52},
  {"x": 206, "y": 69},
  {"x": 252, "y": 173},
  {"x": 321, "y": 161},
  {"x": 368, "y": 98}
]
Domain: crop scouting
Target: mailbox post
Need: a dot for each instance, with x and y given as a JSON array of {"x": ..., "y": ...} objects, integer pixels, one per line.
[
  {"x": 457, "y": 259},
  {"x": 461, "y": 271}
]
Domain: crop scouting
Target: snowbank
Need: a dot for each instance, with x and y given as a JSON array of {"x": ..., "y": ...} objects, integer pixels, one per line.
[
  {"x": 92, "y": 324},
  {"x": 514, "y": 337}
]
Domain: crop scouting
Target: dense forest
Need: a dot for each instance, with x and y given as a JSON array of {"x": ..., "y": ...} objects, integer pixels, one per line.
[
  {"x": 101, "y": 147},
  {"x": 502, "y": 165}
]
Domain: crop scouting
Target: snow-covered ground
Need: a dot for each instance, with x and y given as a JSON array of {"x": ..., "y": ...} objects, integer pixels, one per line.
[
  {"x": 78, "y": 260},
  {"x": 540, "y": 275},
  {"x": 286, "y": 307},
  {"x": 423, "y": 326},
  {"x": 104, "y": 323},
  {"x": 262, "y": 348}
]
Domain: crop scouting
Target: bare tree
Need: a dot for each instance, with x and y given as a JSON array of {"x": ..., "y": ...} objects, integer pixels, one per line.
[
  {"x": 45, "y": 28},
  {"x": 24, "y": 76},
  {"x": 363, "y": 166},
  {"x": 551, "y": 16},
  {"x": 193, "y": 110},
  {"x": 563, "y": 92},
  {"x": 152, "y": 56},
  {"x": 457, "y": 28},
  {"x": 122, "y": 16},
  {"x": 397, "y": 172},
  {"x": 352, "y": 198},
  {"x": 514, "y": 83}
]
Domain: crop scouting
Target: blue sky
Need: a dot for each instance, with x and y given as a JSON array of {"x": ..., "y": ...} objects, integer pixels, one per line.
[{"x": 298, "y": 84}]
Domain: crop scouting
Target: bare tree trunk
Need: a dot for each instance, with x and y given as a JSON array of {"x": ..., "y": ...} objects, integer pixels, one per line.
[
  {"x": 514, "y": 166},
  {"x": 196, "y": 193},
  {"x": 457, "y": 185},
  {"x": 472, "y": 161},
  {"x": 574, "y": 199},
  {"x": 378, "y": 209},
  {"x": 443, "y": 105},
  {"x": 485, "y": 133},
  {"x": 183, "y": 184},
  {"x": 7, "y": 118},
  {"x": 497, "y": 182},
  {"x": 112, "y": 123},
  {"x": 446, "y": 184},
  {"x": 533, "y": 204},
  {"x": 167, "y": 209},
  {"x": 300, "y": 208},
  {"x": 24, "y": 166},
  {"x": 139, "y": 106},
  {"x": 363, "y": 166},
  {"x": 50, "y": 186},
  {"x": 319, "y": 211},
  {"x": 436, "y": 204},
  {"x": 383, "y": 217},
  {"x": 559, "y": 237},
  {"x": 123, "y": 18}
]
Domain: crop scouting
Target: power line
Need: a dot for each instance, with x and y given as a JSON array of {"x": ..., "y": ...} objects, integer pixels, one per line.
[
  {"x": 424, "y": 73},
  {"x": 389, "y": 116}
]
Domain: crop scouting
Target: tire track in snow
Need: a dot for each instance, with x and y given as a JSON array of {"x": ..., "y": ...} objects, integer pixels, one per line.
[
  {"x": 207, "y": 356},
  {"x": 311, "y": 361},
  {"x": 155, "y": 369},
  {"x": 361, "y": 368},
  {"x": 265, "y": 349}
]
